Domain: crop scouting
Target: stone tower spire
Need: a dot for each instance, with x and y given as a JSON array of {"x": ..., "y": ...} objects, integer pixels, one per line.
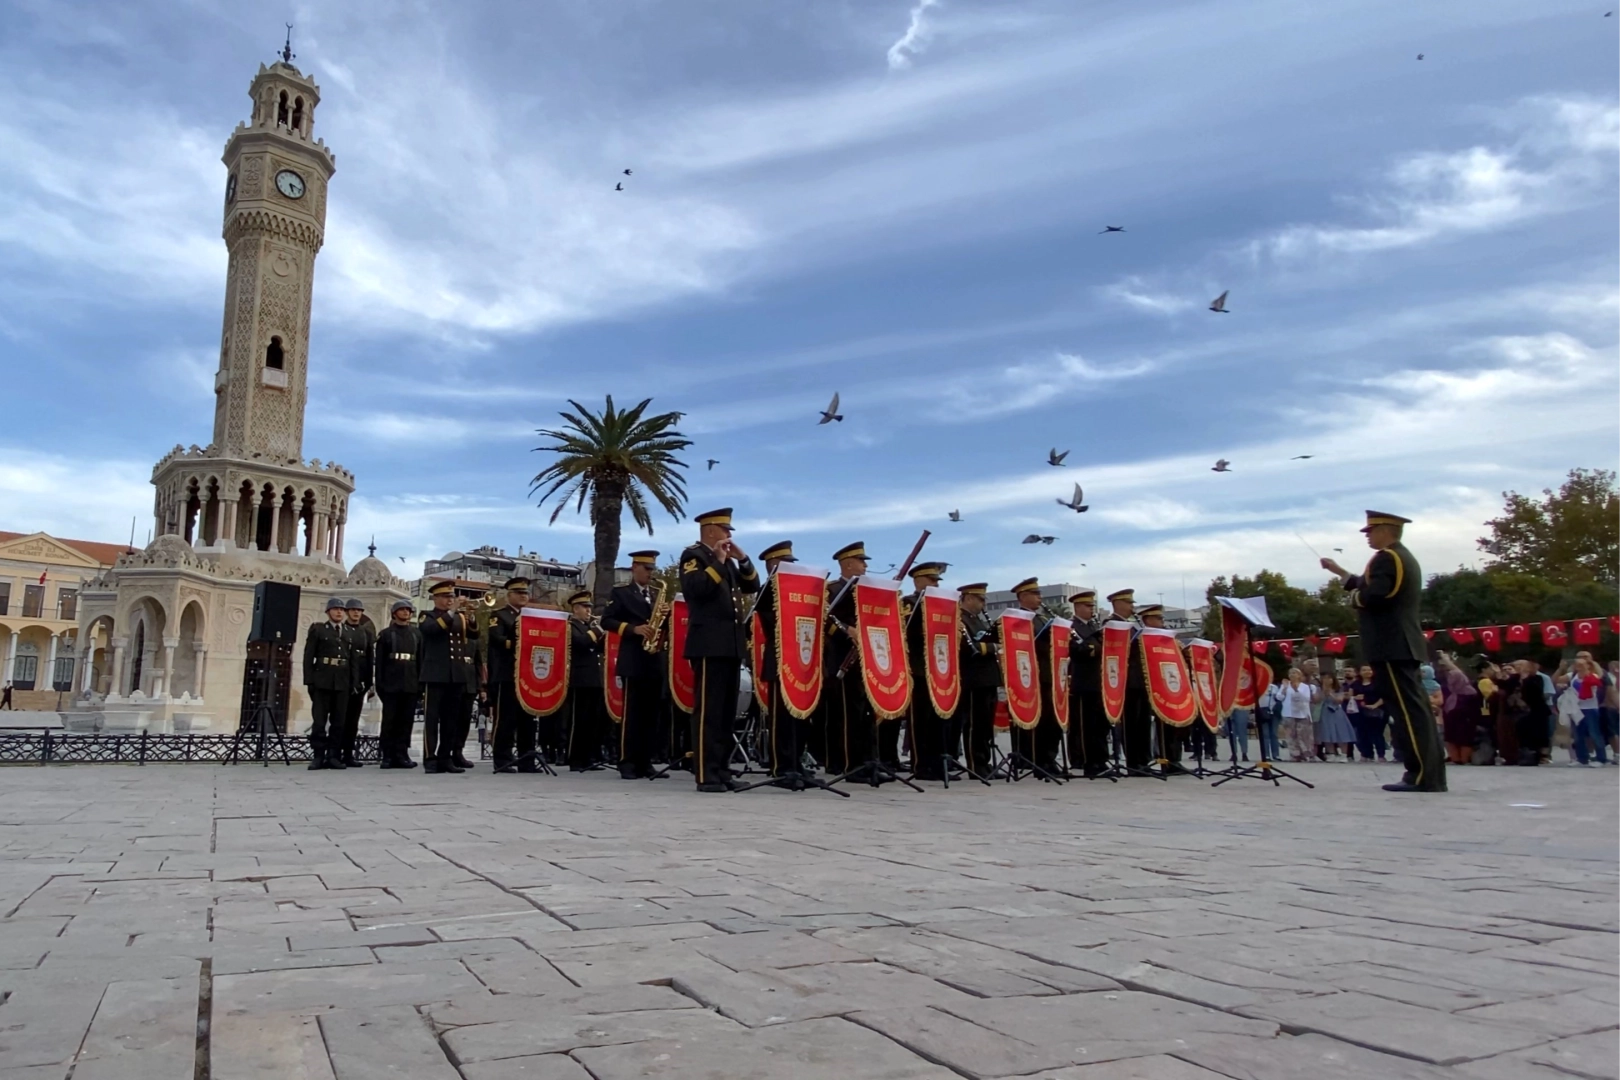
[{"x": 275, "y": 221}]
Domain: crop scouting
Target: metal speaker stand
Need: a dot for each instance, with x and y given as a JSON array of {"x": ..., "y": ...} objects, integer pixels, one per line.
[{"x": 262, "y": 725}]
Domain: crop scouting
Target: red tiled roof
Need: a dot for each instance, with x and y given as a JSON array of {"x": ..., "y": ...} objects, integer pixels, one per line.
[{"x": 105, "y": 554}]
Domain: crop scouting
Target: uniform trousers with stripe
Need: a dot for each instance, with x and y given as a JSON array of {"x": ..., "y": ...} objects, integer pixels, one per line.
[
  {"x": 446, "y": 719},
  {"x": 929, "y": 734},
  {"x": 787, "y": 736},
  {"x": 585, "y": 711},
  {"x": 977, "y": 711},
  {"x": 640, "y": 727},
  {"x": 1088, "y": 731},
  {"x": 514, "y": 727},
  {"x": 1417, "y": 739},
  {"x": 715, "y": 717}
]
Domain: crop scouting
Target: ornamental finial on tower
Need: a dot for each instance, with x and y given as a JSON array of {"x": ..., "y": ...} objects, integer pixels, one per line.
[{"x": 287, "y": 54}]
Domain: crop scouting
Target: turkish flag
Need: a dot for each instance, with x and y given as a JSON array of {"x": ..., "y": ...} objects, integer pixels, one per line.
[
  {"x": 1286, "y": 648},
  {"x": 42, "y": 577},
  {"x": 1518, "y": 634},
  {"x": 1614, "y": 624},
  {"x": 1261, "y": 647},
  {"x": 1554, "y": 634},
  {"x": 1334, "y": 644},
  {"x": 1491, "y": 638},
  {"x": 1462, "y": 635},
  {"x": 1586, "y": 631}
]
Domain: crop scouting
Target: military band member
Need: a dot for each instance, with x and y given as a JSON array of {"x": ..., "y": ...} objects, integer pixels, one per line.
[
  {"x": 329, "y": 679},
  {"x": 713, "y": 570},
  {"x": 584, "y": 708},
  {"x": 450, "y": 674},
  {"x": 399, "y": 684},
  {"x": 981, "y": 676},
  {"x": 514, "y": 731},
  {"x": 786, "y": 733},
  {"x": 928, "y": 728},
  {"x": 363, "y": 640},
  {"x": 1088, "y": 724},
  {"x": 1172, "y": 739},
  {"x": 1386, "y": 597},
  {"x": 1039, "y": 746},
  {"x": 846, "y": 712},
  {"x": 1136, "y": 724},
  {"x": 628, "y": 611}
]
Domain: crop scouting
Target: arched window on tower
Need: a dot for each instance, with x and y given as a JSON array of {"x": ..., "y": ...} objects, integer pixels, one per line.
[
  {"x": 281, "y": 108},
  {"x": 273, "y": 356},
  {"x": 298, "y": 114}
]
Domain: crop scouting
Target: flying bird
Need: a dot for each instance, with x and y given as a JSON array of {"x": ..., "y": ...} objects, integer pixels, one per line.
[
  {"x": 1220, "y": 304},
  {"x": 712, "y": 463},
  {"x": 1112, "y": 228},
  {"x": 830, "y": 413},
  {"x": 956, "y": 515},
  {"x": 1339, "y": 550},
  {"x": 1032, "y": 538},
  {"x": 1055, "y": 458},
  {"x": 618, "y": 187},
  {"x": 1301, "y": 457},
  {"x": 1047, "y": 539},
  {"x": 401, "y": 558},
  {"x": 627, "y": 172},
  {"x": 1077, "y": 504},
  {"x": 1222, "y": 465},
  {"x": 1420, "y": 56}
]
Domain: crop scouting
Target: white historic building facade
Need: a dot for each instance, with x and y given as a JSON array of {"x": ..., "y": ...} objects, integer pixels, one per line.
[{"x": 162, "y": 634}]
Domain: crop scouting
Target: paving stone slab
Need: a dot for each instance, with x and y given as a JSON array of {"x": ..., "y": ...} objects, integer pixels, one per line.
[
  {"x": 318, "y": 989},
  {"x": 239, "y": 961},
  {"x": 143, "y": 1027},
  {"x": 1157, "y": 1067},
  {"x": 1591, "y": 1057},
  {"x": 383, "y": 1044},
  {"x": 773, "y": 949},
  {"x": 642, "y": 961},
  {"x": 540, "y": 1067},
  {"x": 268, "y": 1046},
  {"x": 828, "y": 1049},
  {"x": 1304, "y": 1057},
  {"x": 1408, "y": 1030},
  {"x": 759, "y": 998},
  {"x": 1557, "y": 1016},
  {"x": 965, "y": 1048},
  {"x": 590, "y": 1001},
  {"x": 558, "y": 1031}
]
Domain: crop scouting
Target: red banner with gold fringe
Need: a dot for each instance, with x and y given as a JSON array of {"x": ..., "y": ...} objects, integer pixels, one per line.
[
  {"x": 1170, "y": 692},
  {"x": 756, "y": 660},
  {"x": 682, "y": 676},
  {"x": 1020, "y": 673},
  {"x": 612, "y": 685},
  {"x": 1116, "y": 655},
  {"x": 942, "y": 636},
  {"x": 883, "y": 646},
  {"x": 801, "y": 605},
  {"x": 1057, "y": 639},
  {"x": 1201, "y": 661},
  {"x": 542, "y": 660}
]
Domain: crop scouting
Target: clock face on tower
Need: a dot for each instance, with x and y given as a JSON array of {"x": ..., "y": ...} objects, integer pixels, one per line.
[{"x": 290, "y": 184}]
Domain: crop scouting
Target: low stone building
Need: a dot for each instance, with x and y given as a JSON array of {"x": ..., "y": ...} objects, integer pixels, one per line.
[{"x": 41, "y": 577}]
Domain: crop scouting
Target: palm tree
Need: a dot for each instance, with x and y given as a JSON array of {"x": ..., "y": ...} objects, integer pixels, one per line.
[{"x": 614, "y": 457}]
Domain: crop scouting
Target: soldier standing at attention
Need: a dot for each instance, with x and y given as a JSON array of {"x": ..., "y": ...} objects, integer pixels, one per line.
[
  {"x": 628, "y": 611},
  {"x": 1386, "y": 596},
  {"x": 1088, "y": 725},
  {"x": 981, "y": 675},
  {"x": 364, "y": 640},
  {"x": 513, "y": 725},
  {"x": 928, "y": 728},
  {"x": 399, "y": 684},
  {"x": 584, "y": 707},
  {"x": 328, "y": 678},
  {"x": 449, "y": 670},
  {"x": 713, "y": 570}
]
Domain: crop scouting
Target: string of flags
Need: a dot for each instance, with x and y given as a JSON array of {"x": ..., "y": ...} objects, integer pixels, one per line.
[{"x": 1554, "y": 633}]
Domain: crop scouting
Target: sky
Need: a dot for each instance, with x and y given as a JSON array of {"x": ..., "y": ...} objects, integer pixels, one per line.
[{"x": 898, "y": 200}]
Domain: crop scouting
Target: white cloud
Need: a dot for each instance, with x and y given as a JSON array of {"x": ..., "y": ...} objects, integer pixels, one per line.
[
  {"x": 75, "y": 498},
  {"x": 1022, "y": 386},
  {"x": 1133, "y": 292},
  {"x": 915, "y": 40}
]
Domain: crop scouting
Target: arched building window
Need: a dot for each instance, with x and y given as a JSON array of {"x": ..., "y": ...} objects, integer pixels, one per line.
[
  {"x": 273, "y": 356},
  {"x": 298, "y": 114},
  {"x": 281, "y": 108}
]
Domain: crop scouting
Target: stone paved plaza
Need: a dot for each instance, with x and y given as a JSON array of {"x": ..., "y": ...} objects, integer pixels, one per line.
[{"x": 232, "y": 923}]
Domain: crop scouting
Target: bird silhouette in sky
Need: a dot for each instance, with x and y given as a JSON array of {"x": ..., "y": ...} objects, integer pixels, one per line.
[
  {"x": 618, "y": 187},
  {"x": 1221, "y": 465},
  {"x": 401, "y": 558},
  {"x": 830, "y": 413},
  {"x": 1077, "y": 503},
  {"x": 956, "y": 515},
  {"x": 1055, "y": 458},
  {"x": 1339, "y": 550},
  {"x": 1037, "y": 538},
  {"x": 1111, "y": 228},
  {"x": 1301, "y": 457},
  {"x": 1220, "y": 303},
  {"x": 712, "y": 463},
  {"x": 1420, "y": 56},
  {"x": 627, "y": 172}
]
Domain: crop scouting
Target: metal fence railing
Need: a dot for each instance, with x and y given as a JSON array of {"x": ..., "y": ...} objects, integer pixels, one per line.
[{"x": 46, "y": 746}]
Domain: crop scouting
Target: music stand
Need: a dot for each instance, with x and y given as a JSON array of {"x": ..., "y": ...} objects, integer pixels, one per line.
[
  {"x": 795, "y": 778},
  {"x": 1252, "y": 610},
  {"x": 263, "y": 723}
]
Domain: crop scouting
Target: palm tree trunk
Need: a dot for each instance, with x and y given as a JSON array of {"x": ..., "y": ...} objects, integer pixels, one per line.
[{"x": 607, "y": 507}]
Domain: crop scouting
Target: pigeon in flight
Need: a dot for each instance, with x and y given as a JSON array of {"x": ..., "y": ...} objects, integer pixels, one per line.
[
  {"x": 627, "y": 172},
  {"x": 1077, "y": 504},
  {"x": 618, "y": 187},
  {"x": 830, "y": 413},
  {"x": 1222, "y": 465},
  {"x": 400, "y": 557},
  {"x": 1032, "y": 538},
  {"x": 1047, "y": 539},
  {"x": 1112, "y": 228},
  {"x": 712, "y": 463},
  {"x": 1339, "y": 550},
  {"x": 1301, "y": 457},
  {"x": 1055, "y": 458},
  {"x": 956, "y": 515},
  {"x": 1220, "y": 304}
]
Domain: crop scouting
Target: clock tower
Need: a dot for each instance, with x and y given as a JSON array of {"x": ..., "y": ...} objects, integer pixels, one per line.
[{"x": 275, "y": 221}]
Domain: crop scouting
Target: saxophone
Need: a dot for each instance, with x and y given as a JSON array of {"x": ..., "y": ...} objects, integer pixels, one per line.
[{"x": 656, "y": 622}]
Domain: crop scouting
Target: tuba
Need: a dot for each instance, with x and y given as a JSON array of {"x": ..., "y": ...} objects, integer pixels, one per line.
[{"x": 658, "y": 620}]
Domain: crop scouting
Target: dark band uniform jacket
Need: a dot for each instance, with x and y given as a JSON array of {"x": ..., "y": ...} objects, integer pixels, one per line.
[
  {"x": 329, "y": 657},
  {"x": 449, "y": 642},
  {"x": 363, "y": 643},
  {"x": 714, "y": 627},
  {"x": 839, "y": 644},
  {"x": 399, "y": 659},
  {"x": 501, "y": 644},
  {"x": 1386, "y": 597},
  {"x": 626, "y": 610},
  {"x": 585, "y": 654},
  {"x": 979, "y": 664},
  {"x": 1085, "y": 657}
]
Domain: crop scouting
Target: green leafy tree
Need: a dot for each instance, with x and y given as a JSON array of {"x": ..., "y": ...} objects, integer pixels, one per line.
[
  {"x": 615, "y": 458},
  {"x": 1566, "y": 537}
]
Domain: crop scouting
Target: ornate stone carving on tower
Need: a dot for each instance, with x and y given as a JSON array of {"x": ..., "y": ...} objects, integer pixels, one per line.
[{"x": 247, "y": 507}]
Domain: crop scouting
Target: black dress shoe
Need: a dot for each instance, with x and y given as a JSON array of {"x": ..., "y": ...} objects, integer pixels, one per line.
[
  {"x": 335, "y": 762},
  {"x": 431, "y": 766},
  {"x": 351, "y": 762},
  {"x": 629, "y": 772},
  {"x": 462, "y": 763},
  {"x": 1401, "y": 785},
  {"x": 317, "y": 764},
  {"x": 505, "y": 767},
  {"x": 715, "y": 786},
  {"x": 528, "y": 767},
  {"x": 386, "y": 764},
  {"x": 450, "y": 767}
]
